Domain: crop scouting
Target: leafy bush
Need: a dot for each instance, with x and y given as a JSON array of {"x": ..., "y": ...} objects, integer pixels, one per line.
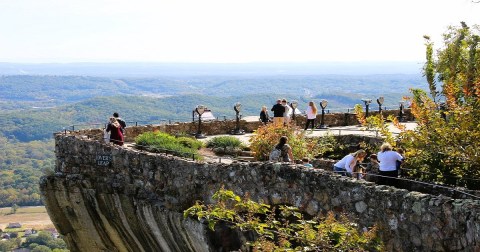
[
  {"x": 224, "y": 142},
  {"x": 190, "y": 142},
  {"x": 9, "y": 245},
  {"x": 445, "y": 142},
  {"x": 288, "y": 230},
  {"x": 323, "y": 145},
  {"x": 163, "y": 142},
  {"x": 267, "y": 137}
]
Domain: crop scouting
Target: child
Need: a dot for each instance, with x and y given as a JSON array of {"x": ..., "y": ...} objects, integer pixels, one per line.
[
  {"x": 399, "y": 163},
  {"x": 372, "y": 168},
  {"x": 306, "y": 163}
]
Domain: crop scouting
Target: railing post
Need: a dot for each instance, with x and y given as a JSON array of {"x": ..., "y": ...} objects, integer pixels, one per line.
[{"x": 136, "y": 124}]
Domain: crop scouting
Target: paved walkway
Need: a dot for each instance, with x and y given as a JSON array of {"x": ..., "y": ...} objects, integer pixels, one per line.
[{"x": 343, "y": 130}]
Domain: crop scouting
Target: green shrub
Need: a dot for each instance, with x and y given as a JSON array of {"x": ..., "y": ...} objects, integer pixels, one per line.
[
  {"x": 190, "y": 142},
  {"x": 224, "y": 142},
  {"x": 285, "y": 228},
  {"x": 163, "y": 142}
]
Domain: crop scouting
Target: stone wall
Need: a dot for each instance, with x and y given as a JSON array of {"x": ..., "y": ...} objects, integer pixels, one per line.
[
  {"x": 108, "y": 198},
  {"x": 218, "y": 127}
]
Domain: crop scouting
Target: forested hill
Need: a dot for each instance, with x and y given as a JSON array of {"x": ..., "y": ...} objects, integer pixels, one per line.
[
  {"x": 24, "y": 91},
  {"x": 33, "y": 107},
  {"x": 38, "y": 124}
]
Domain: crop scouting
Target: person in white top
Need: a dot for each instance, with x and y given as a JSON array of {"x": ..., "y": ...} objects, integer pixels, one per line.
[
  {"x": 346, "y": 166},
  {"x": 388, "y": 165},
  {"x": 311, "y": 115},
  {"x": 286, "y": 114}
]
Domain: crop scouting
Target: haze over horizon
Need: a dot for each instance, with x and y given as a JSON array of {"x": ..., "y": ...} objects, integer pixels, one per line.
[
  {"x": 152, "y": 69},
  {"x": 217, "y": 31}
]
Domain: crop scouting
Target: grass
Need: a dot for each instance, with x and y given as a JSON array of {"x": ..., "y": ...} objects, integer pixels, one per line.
[
  {"x": 30, "y": 217},
  {"x": 163, "y": 142}
]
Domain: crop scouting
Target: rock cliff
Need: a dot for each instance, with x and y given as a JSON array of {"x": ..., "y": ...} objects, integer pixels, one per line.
[{"x": 107, "y": 198}]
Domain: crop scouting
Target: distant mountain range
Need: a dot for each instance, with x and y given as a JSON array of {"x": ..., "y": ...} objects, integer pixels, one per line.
[
  {"x": 211, "y": 69},
  {"x": 27, "y": 91},
  {"x": 32, "y": 107}
]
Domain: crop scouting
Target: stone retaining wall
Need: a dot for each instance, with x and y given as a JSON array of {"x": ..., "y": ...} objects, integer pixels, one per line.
[
  {"x": 225, "y": 127},
  {"x": 115, "y": 199}
]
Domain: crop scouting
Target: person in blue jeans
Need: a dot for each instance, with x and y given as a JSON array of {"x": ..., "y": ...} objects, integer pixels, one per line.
[{"x": 346, "y": 166}]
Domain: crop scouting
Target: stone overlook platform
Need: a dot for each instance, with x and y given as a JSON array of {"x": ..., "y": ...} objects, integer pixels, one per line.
[{"x": 133, "y": 200}]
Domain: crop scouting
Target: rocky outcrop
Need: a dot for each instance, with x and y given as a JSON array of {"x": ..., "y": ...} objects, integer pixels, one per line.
[{"x": 108, "y": 198}]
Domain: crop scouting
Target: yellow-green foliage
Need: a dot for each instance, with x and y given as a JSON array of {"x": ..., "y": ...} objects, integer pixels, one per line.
[
  {"x": 378, "y": 123},
  {"x": 267, "y": 136},
  {"x": 446, "y": 140},
  {"x": 288, "y": 230}
]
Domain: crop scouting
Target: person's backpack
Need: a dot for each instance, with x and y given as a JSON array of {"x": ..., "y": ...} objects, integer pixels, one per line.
[{"x": 275, "y": 155}]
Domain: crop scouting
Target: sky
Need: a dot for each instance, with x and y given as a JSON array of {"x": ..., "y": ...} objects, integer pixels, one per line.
[{"x": 225, "y": 31}]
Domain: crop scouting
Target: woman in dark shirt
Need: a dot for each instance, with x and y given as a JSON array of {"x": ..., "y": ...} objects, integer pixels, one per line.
[{"x": 264, "y": 118}]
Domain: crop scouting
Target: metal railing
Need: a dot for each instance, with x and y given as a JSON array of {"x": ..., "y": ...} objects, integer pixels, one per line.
[
  {"x": 423, "y": 183},
  {"x": 74, "y": 127}
]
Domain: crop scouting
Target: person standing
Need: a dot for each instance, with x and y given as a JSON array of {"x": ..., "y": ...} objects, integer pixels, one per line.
[
  {"x": 346, "y": 166},
  {"x": 120, "y": 121},
  {"x": 264, "y": 118},
  {"x": 388, "y": 165},
  {"x": 115, "y": 129},
  {"x": 311, "y": 115},
  {"x": 278, "y": 111},
  {"x": 286, "y": 114}
]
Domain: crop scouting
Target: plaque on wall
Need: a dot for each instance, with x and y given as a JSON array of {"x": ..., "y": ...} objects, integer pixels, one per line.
[{"x": 104, "y": 159}]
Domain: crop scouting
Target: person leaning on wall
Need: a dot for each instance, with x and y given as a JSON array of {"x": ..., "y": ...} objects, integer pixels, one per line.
[
  {"x": 346, "y": 166},
  {"x": 388, "y": 165}
]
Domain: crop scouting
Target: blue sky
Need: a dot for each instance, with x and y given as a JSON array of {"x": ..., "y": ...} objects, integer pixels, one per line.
[{"x": 224, "y": 30}]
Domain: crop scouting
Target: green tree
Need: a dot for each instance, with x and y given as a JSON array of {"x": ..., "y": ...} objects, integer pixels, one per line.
[
  {"x": 445, "y": 142},
  {"x": 11, "y": 244},
  {"x": 429, "y": 68},
  {"x": 43, "y": 238},
  {"x": 41, "y": 248},
  {"x": 14, "y": 209},
  {"x": 287, "y": 231}
]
